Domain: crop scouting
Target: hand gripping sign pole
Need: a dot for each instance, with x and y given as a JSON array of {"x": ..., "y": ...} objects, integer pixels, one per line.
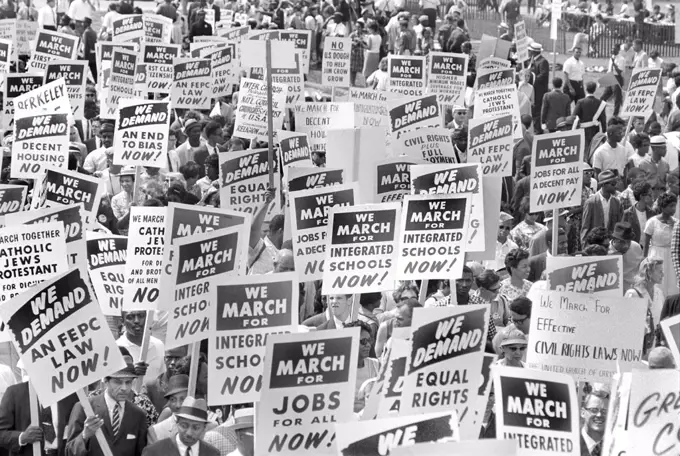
[
  {"x": 270, "y": 113},
  {"x": 87, "y": 407}
]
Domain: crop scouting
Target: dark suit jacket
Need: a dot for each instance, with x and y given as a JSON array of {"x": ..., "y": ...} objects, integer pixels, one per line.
[
  {"x": 630, "y": 216},
  {"x": 541, "y": 70},
  {"x": 556, "y": 104},
  {"x": 131, "y": 438},
  {"x": 537, "y": 266},
  {"x": 456, "y": 40},
  {"x": 593, "y": 215},
  {"x": 168, "y": 447},
  {"x": 586, "y": 108}
]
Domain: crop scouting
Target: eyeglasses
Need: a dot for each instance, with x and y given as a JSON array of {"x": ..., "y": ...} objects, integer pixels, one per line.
[
  {"x": 597, "y": 411},
  {"x": 365, "y": 341},
  {"x": 519, "y": 321},
  {"x": 515, "y": 348},
  {"x": 505, "y": 228}
]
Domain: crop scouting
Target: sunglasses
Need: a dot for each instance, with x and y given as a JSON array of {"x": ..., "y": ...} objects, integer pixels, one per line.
[
  {"x": 515, "y": 348},
  {"x": 505, "y": 228},
  {"x": 519, "y": 320}
]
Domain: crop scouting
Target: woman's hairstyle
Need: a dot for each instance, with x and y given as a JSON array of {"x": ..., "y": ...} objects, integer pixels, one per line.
[
  {"x": 665, "y": 200},
  {"x": 513, "y": 258},
  {"x": 396, "y": 295},
  {"x": 190, "y": 170},
  {"x": 594, "y": 250},
  {"x": 383, "y": 64},
  {"x": 487, "y": 279},
  {"x": 645, "y": 271}
]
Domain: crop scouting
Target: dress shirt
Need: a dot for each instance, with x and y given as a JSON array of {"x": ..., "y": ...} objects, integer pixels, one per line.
[
  {"x": 605, "y": 206},
  {"x": 47, "y": 17},
  {"x": 79, "y": 10},
  {"x": 183, "y": 448},
  {"x": 590, "y": 443},
  {"x": 574, "y": 68},
  {"x": 95, "y": 160},
  {"x": 110, "y": 404}
]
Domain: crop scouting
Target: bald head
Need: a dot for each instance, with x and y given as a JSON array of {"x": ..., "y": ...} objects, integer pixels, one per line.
[
  {"x": 285, "y": 261},
  {"x": 661, "y": 358}
]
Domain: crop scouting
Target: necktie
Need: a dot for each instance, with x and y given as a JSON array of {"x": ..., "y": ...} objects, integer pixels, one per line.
[
  {"x": 47, "y": 425},
  {"x": 115, "y": 423},
  {"x": 188, "y": 452},
  {"x": 597, "y": 450}
]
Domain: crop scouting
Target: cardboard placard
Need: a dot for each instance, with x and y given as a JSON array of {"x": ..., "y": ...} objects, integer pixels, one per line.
[
  {"x": 141, "y": 134},
  {"x": 496, "y": 95},
  {"x": 302, "y": 40},
  {"x": 25, "y": 33},
  {"x": 47, "y": 98},
  {"x": 521, "y": 41},
  {"x": 491, "y": 143},
  {"x": 447, "y": 77},
  {"x": 406, "y": 75},
  {"x": 671, "y": 331},
  {"x": 40, "y": 141},
  {"x": 192, "y": 84},
  {"x": 159, "y": 59},
  {"x": 128, "y": 28},
  {"x": 393, "y": 386},
  {"x": 641, "y": 92},
  {"x": 316, "y": 119},
  {"x": 304, "y": 178},
  {"x": 602, "y": 275},
  {"x": 430, "y": 144},
  {"x": 5, "y": 55},
  {"x": 106, "y": 256},
  {"x": 224, "y": 74},
  {"x": 464, "y": 448},
  {"x": 252, "y": 112},
  {"x": 12, "y": 198},
  {"x": 75, "y": 74},
  {"x": 411, "y": 113},
  {"x": 393, "y": 178},
  {"x": 335, "y": 63},
  {"x": 121, "y": 80},
  {"x": 370, "y": 107},
  {"x": 294, "y": 149},
  {"x": 50, "y": 45},
  {"x": 14, "y": 86},
  {"x": 157, "y": 28}
]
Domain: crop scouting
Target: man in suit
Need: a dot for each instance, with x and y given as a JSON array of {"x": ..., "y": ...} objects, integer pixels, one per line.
[
  {"x": 122, "y": 422},
  {"x": 594, "y": 417},
  {"x": 92, "y": 127},
  {"x": 594, "y": 208},
  {"x": 585, "y": 109},
  {"x": 177, "y": 390},
  {"x": 537, "y": 263},
  {"x": 192, "y": 418},
  {"x": 555, "y": 104},
  {"x": 159, "y": 388},
  {"x": 541, "y": 71},
  {"x": 638, "y": 214},
  {"x": 457, "y": 38}
]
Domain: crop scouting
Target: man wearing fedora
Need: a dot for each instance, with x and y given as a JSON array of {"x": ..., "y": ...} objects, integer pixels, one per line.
[
  {"x": 159, "y": 388},
  {"x": 122, "y": 422},
  {"x": 602, "y": 208},
  {"x": 541, "y": 71},
  {"x": 177, "y": 390},
  {"x": 623, "y": 243},
  {"x": 192, "y": 418}
]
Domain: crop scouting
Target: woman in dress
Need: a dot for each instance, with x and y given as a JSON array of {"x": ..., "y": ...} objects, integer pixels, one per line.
[
  {"x": 379, "y": 79},
  {"x": 487, "y": 292},
  {"x": 647, "y": 285},
  {"x": 656, "y": 241},
  {"x": 527, "y": 228},
  {"x": 517, "y": 265},
  {"x": 372, "y": 54},
  {"x": 368, "y": 367},
  {"x": 356, "y": 63},
  {"x": 121, "y": 202}
]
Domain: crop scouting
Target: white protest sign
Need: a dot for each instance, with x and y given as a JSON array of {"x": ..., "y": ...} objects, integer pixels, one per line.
[
  {"x": 316, "y": 118},
  {"x": 540, "y": 410},
  {"x": 641, "y": 92},
  {"x": 141, "y": 136},
  {"x": 447, "y": 77},
  {"x": 74, "y": 73},
  {"x": 309, "y": 382},
  {"x": 431, "y": 144},
  {"x": 224, "y": 70},
  {"x": 587, "y": 337},
  {"x": 370, "y": 107},
  {"x": 145, "y": 257},
  {"x": 128, "y": 28},
  {"x": 157, "y": 28},
  {"x": 360, "y": 255},
  {"x": 16, "y": 85},
  {"x": 62, "y": 336},
  {"x": 470, "y": 428},
  {"x": 389, "y": 402},
  {"x": 8, "y": 31},
  {"x": 521, "y": 41},
  {"x": 158, "y": 59},
  {"x": 602, "y": 275},
  {"x": 313, "y": 177},
  {"x": 51, "y": 97},
  {"x": 5, "y": 55},
  {"x": 192, "y": 83},
  {"x": 496, "y": 95},
  {"x": 121, "y": 80},
  {"x": 335, "y": 63},
  {"x": 302, "y": 40},
  {"x": 50, "y": 45},
  {"x": 246, "y": 311},
  {"x": 40, "y": 141},
  {"x": 393, "y": 178},
  {"x": 291, "y": 78},
  {"x": 671, "y": 331},
  {"x": 411, "y": 113},
  {"x": 491, "y": 142},
  {"x": 406, "y": 75},
  {"x": 106, "y": 255},
  {"x": 25, "y": 33},
  {"x": 294, "y": 149},
  {"x": 615, "y": 441},
  {"x": 486, "y": 447},
  {"x": 252, "y": 112}
]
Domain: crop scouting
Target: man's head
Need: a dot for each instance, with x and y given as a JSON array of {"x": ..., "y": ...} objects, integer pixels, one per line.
[
  {"x": 622, "y": 237},
  {"x": 212, "y": 167},
  {"x": 285, "y": 261},
  {"x": 577, "y": 53},
  {"x": 192, "y": 417},
  {"x": 562, "y": 245},
  {"x": 213, "y": 132},
  {"x": 405, "y": 312},
  {"x": 637, "y": 45},
  {"x": 244, "y": 428},
  {"x": 172, "y": 356},
  {"x": 119, "y": 384},
  {"x": 193, "y": 127},
  {"x": 134, "y": 322},
  {"x": 178, "y": 388},
  {"x": 615, "y": 49},
  {"x": 607, "y": 181},
  {"x": 404, "y": 292},
  {"x": 200, "y": 15},
  {"x": 591, "y": 86},
  {"x": 615, "y": 130},
  {"x": 640, "y": 143},
  {"x": 276, "y": 226},
  {"x": 594, "y": 413},
  {"x": 340, "y": 306},
  {"x": 661, "y": 358},
  {"x": 464, "y": 284},
  {"x": 557, "y": 83},
  {"x": 106, "y": 134},
  {"x": 658, "y": 146},
  {"x": 520, "y": 313}
]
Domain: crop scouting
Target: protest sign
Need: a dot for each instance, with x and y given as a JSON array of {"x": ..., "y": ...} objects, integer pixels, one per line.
[
  {"x": 357, "y": 151},
  {"x": 411, "y": 113},
  {"x": 246, "y": 312},
  {"x": 556, "y": 170},
  {"x": 567, "y": 337},
  {"x": 486, "y": 447},
  {"x": 447, "y": 77},
  {"x": 252, "y": 111},
  {"x": 50, "y": 45},
  {"x": 300, "y": 178},
  {"x": 360, "y": 255},
  {"x": 291, "y": 78},
  {"x": 121, "y": 80},
  {"x": 302, "y": 39},
  {"x": 456, "y": 179},
  {"x": 379, "y": 437},
  {"x": 316, "y": 118},
  {"x": 492, "y": 63},
  {"x": 244, "y": 178},
  {"x": 521, "y": 41},
  {"x": 491, "y": 143},
  {"x": 406, "y": 75},
  {"x": 187, "y": 220},
  {"x": 192, "y": 83},
  {"x": 25, "y": 33},
  {"x": 158, "y": 59},
  {"x": 141, "y": 136},
  {"x": 393, "y": 386},
  {"x": 335, "y": 63},
  {"x": 433, "y": 233},
  {"x": 235, "y": 33},
  {"x": 540, "y": 410},
  {"x": 12, "y": 198},
  {"x": 431, "y": 144},
  {"x": 309, "y": 213},
  {"x": 592, "y": 274},
  {"x": 370, "y": 107},
  {"x": 51, "y": 97},
  {"x": 40, "y": 141},
  {"x": 60, "y": 187},
  {"x": 61, "y": 336},
  {"x": 143, "y": 264},
  {"x": 470, "y": 428},
  {"x": 157, "y": 28},
  {"x": 30, "y": 254},
  {"x": 671, "y": 331},
  {"x": 16, "y": 85},
  {"x": 653, "y": 424},
  {"x": 8, "y": 31},
  {"x": 199, "y": 263},
  {"x": 445, "y": 358},
  {"x": 106, "y": 256},
  {"x": 5, "y": 55},
  {"x": 615, "y": 441},
  {"x": 128, "y": 28},
  {"x": 496, "y": 95},
  {"x": 295, "y": 150},
  {"x": 641, "y": 92},
  {"x": 104, "y": 51},
  {"x": 393, "y": 179},
  {"x": 74, "y": 73},
  {"x": 73, "y": 220},
  {"x": 224, "y": 67},
  {"x": 308, "y": 386}
]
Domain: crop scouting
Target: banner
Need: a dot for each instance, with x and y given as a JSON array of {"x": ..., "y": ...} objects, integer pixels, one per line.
[
  {"x": 12, "y": 198},
  {"x": 540, "y": 410},
  {"x": 360, "y": 256},
  {"x": 121, "y": 80},
  {"x": 671, "y": 331},
  {"x": 406, "y": 75},
  {"x": 128, "y": 28},
  {"x": 641, "y": 93},
  {"x": 556, "y": 170},
  {"x": 394, "y": 179},
  {"x": 143, "y": 264},
  {"x": 61, "y": 336},
  {"x": 192, "y": 84},
  {"x": 447, "y": 77},
  {"x": 496, "y": 95},
  {"x": 316, "y": 118},
  {"x": 224, "y": 70},
  {"x": 157, "y": 28},
  {"x": 456, "y": 179},
  {"x": 370, "y": 107},
  {"x": 567, "y": 336},
  {"x": 106, "y": 256},
  {"x": 247, "y": 311},
  {"x": 294, "y": 149},
  {"x": 72, "y": 216},
  {"x": 40, "y": 141},
  {"x": 431, "y": 144},
  {"x": 601, "y": 275},
  {"x": 335, "y": 62},
  {"x": 491, "y": 143},
  {"x": 309, "y": 211},
  {"x": 309, "y": 382},
  {"x": 30, "y": 254},
  {"x": 199, "y": 263},
  {"x": 521, "y": 41},
  {"x": 141, "y": 136},
  {"x": 252, "y": 113},
  {"x": 74, "y": 73},
  {"x": 379, "y": 437},
  {"x": 50, "y": 46},
  {"x": 411, "y": 113},
  {"x": 302, "y": 39},
  {"x": 445, "y": 359},
  {"x": 16, "y": 85},
  {"x": 158, "y": 59}
]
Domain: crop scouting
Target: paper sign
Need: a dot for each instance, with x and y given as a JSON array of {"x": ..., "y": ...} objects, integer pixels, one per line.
[
  {"x": 430, "y": 144},
  {"x": 567, "y": 336},
  {"x": 671, "y": 331},
  {"x": 157, "y": 28},
  {"x": 615, "y": 441},
  {"x": 496, "y": 95},
  {"x": 411, "y": 113},
  {"x": 335, "y": 63},
  {"x": 224, "y": 74},
  {"x": 121, "y": 81},
  {"x": 360, "y": 256},
  {"x": 252, "y": 111},
  {"x": 49, "y": 46},
  {"x": 158, "y": 59},
  {"x": 521, "y": 41},
  {"x": 128, "y": 28},
  {"x": 12, "y": 198},
  {"x": 470, "y": 428},
  {"x": 592, "y": 274},
  {"x": 447, "y": 77},
  {"x": 62, "y": 336},
  {"x": 491, "y": 143},
  {"x": 47, "y": 98},
  {"x": 302, "y": 40},
  {"x": 74, "y": 73},
  {"x": 25, "y": 33},
  {"x": 309, "y": 382},
  {"x": 246, "y": 311},
  {"x": 370, "y": 107},
  {"x": 5, "y": 55},
  {"x": 406, "y": 75},
  {"x": 192, "y": 84},
  {"x": 40, "y": 141},
  {"x": 294, "y": 147},
  {"x": 291, "y": 78},
  {"x": 306, "y": 178},
  {"x": 316, "y": 118},
  {"x": 141, "y": 136},
  {"x": 16, "y": 85},
  {"x": 8, "y": 31},
  {"x": 106, "y": 255},
  {"x": 393, "y": 179},
  {"x": 641, "y": 93}
]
